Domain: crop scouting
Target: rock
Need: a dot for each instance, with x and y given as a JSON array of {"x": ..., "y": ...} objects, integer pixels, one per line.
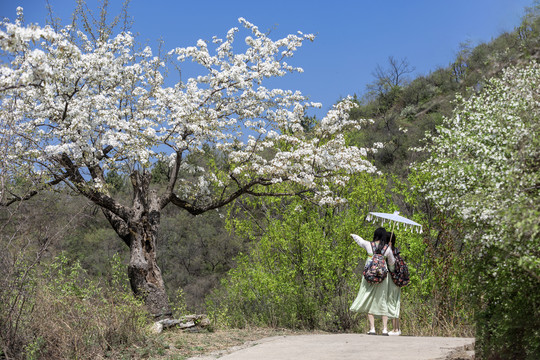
[
  {"x": 462, "y": 353},
  {"x": 157, "y": 327},
  {"x": 186, "y": 325},
  {"x": 188, "y": 322}
]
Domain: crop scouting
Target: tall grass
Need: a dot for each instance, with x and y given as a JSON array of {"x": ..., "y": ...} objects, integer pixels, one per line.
[
  {"x": 429, "y": 318},
  {"x": 57, "y": 312}
]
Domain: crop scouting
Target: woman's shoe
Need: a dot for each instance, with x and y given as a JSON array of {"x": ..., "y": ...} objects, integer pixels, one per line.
[
  {"x": 385, "y": 332},
  {"x": 372, "y": 332},
  {"x": 394, "y": 333}
]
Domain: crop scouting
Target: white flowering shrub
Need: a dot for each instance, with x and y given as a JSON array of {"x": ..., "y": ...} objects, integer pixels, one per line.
[
  {"x": 409, "y": 110},
  {"x": 485, "y": 157},
  {"x": 485, "y": 168}
]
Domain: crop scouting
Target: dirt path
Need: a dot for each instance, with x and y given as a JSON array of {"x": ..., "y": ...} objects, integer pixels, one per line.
[{"x": 343, "y": 347}]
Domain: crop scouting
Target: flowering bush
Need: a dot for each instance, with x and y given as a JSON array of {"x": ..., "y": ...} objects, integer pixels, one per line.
[{"x": 484, "y": 166}]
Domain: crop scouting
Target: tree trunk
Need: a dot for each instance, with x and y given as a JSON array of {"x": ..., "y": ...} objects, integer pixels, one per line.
[
  {"x": 144, "y": 273},
  {"x": 140, "y": 233}
]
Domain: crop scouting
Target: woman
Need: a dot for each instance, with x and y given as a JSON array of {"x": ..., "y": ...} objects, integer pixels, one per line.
[
  {"x": 394, "y": 292},
  {"x": 372, "y": 298}
]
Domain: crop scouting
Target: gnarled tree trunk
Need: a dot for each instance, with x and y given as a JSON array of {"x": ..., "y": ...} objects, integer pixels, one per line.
[
  {"x": 144, "y": 273},
  {"x": 140, "y": 233}
]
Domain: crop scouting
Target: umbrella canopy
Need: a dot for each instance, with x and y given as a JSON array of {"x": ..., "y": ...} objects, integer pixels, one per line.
[{"x": 395, "y": 219}]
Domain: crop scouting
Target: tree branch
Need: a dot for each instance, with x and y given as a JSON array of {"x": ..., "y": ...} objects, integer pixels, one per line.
[
  {"x": 101, "y": 199},
  {"x": 242, "y": 189},
  {"x": 166, "y": 198},
  {"x": 32, "y": 193}
]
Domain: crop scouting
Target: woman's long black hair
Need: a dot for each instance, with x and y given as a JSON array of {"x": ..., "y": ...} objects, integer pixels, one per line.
[{"x": 381, "y": 236}]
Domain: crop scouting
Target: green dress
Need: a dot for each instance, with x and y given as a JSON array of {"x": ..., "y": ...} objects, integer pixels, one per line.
[
  {"x": 394, "y": 298},
  {"x": 372, "y": 298}
]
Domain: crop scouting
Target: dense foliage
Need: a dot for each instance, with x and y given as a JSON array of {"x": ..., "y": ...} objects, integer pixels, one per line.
[
  {"x": 304, "y": 269},
  {"x": 300, "y": 271}
]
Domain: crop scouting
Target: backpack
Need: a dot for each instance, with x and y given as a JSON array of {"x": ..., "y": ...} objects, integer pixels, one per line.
[
  {"x": 376, "y": 270},
  {"x": 400, "y": 275}
]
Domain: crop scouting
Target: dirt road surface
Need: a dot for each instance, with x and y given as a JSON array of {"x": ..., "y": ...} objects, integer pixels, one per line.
[{"x": 344, "y": 347}]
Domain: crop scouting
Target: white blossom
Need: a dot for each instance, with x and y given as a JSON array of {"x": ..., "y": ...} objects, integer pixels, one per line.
[
  {"x": 104, "y": 105},
  {"x": 478, "y": 164}
]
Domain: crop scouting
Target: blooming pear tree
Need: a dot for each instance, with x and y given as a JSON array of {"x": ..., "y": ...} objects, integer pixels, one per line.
[{"x": 76, "y": 108}]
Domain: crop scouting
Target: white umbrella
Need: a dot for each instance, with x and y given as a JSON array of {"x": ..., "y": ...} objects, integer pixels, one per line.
[{"x": 394, "y": 219}]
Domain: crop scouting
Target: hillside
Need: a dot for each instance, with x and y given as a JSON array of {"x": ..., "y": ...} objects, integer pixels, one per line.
[{"x": 404, "y": 109}]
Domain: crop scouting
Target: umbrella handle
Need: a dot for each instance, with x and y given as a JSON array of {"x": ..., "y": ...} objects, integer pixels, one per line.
[{"x": 392, "y": 232}]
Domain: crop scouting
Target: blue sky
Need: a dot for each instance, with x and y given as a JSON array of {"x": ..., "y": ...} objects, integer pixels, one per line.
[{"x": 353, "y": 36}]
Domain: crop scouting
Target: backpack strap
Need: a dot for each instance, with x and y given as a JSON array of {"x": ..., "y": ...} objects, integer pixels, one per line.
[
  {"x": 384, "y": 249},
  {"x": 373, "y": 247}
]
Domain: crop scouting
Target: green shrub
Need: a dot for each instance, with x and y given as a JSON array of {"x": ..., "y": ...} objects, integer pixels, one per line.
[{"x": 304, "y": 269}]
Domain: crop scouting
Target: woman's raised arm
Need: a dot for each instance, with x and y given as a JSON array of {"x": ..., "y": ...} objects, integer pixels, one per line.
[{"x": 363, "y": 243}]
